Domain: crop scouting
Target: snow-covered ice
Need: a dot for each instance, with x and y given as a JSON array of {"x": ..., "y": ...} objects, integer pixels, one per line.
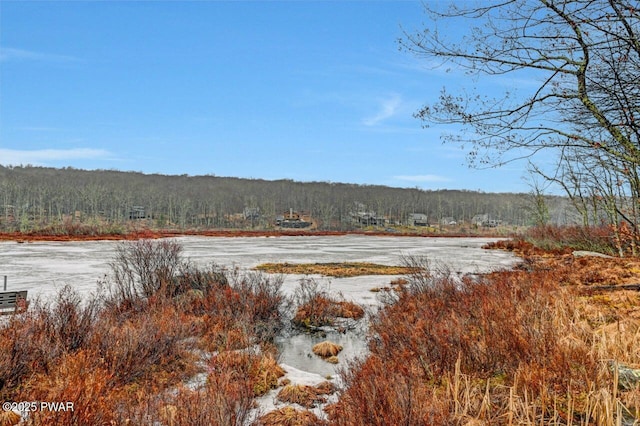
[{"x": 43, "y": 267}]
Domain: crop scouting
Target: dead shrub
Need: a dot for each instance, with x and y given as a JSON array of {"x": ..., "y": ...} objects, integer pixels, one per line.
[
  {"x": 399, "y": 281},
  {"x": 81, "y": 378},
  {"x": 170, "y": 414},
  {"x": 143, "y": 269},
  {"x": 190, "y": 278},
  {"x": 137, "y": 345},
  {"x": 226, "y": 399},
  {"x": 346, "y": 309},
  {"x": 116, "y": 355},
  {"x": 32, "y": 343},
  {"x": 561, "y": 239},
  {"x": 496, "y": 322},
  {"x": 224, "y": 334},
  {"x": 261, "y": 299},
  {"x": 316, "y": 313},
  {"x": 388, "y": 392},
  {"x": 260, "y": 371},
  {"x": 316, "y": 308},
  {"x": 23, "y": 352},
  {"x": 305, "y": 395},
  {"x": 252, "y": 303},
  {"x": 69, "y": 321}
]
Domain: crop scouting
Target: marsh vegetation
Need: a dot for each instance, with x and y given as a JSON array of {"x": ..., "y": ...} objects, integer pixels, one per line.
[{"x": 166, "y": 342}]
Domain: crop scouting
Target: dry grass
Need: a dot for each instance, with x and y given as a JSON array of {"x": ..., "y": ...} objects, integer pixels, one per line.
[
  {"x": 268, "y": 374},
  {"x": 9, "y": 418},
  {"x": 304, "y": 395},
  {"x": 325, "y": 388},
  {"x": 289, "y": 416},
  {"x": 337, "y": 270},
  {"x": 332, "y": 360},
  {"x": 260, "y": 371},
  {"x": 326, "y": 349}
]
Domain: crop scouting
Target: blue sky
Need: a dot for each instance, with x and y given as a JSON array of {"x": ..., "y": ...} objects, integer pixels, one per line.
[{"x": 302, "y": 90}]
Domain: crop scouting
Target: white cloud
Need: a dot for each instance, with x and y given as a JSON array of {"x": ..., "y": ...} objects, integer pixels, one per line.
[
  {"x": 388, "y": 108},
  {"x": 43, "y": 156},
  {"x": 422, "y": 178},
  {"x": 9, "y": 53}
]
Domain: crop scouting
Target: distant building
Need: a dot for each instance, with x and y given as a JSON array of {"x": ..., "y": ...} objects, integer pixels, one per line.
[
  {"x": 485, "y": 220},
  {"x": 448, "y": 220},
  {"x": 368, "y": 218},
  {"x": 292, "y": 219},
  {"x": 137, "y": 212},
  {"x": 418, "y": 219},
  {"x": 365, "y": 217}
]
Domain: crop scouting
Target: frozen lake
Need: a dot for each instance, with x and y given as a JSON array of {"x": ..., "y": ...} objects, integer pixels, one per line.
[{"x": 44, "y": 267}]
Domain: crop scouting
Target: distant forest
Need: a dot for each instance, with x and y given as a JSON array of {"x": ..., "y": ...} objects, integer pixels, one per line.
[{"x": 37, "y": 197}]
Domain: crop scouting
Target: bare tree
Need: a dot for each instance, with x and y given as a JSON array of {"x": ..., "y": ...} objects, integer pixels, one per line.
[{"x": 583, "y": 57}]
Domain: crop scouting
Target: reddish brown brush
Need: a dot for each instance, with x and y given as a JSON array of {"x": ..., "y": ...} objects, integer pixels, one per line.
[
  {"x": 323, "y": 310},
  {"x": 82, "y": 379},
  {"x": 226, "y": 399},
  {"x": 120, "y": 358},
  {"x": 564, "y": 239},
  {"x": 505, "y": 329}
]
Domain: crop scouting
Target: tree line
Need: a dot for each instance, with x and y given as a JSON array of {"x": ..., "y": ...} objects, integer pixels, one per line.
[{"x": 34, "y": 197}]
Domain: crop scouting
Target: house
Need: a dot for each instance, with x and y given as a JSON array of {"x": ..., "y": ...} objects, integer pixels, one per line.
[
  {"x": 364, "y": 217},
  {"x": 418, "y": 219},
  {"x": 480, "y": 219},
  {"x": 368, "y": 218},
  {"x": 485, "y": 221},
  {"x": 137, "y": 212},
  {"x": 291, "y": 219}
]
